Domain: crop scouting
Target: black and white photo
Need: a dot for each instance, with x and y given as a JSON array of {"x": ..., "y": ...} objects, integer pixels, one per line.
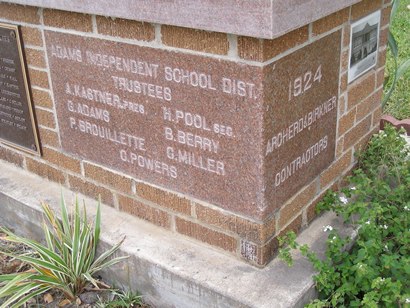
[{"x": 364, "y": 42}]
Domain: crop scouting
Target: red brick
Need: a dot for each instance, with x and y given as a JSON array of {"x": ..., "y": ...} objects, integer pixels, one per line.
[
  {"x": 356, "y": 133},
  {"x": 42, "y": 99},
  {"x": 268, "y": 251},
  {"x": 129, "y": 29},
  {"x": 365, "y": 7},
  {"x": 379, "y": 78},
  {"x": 292, "y": 208},
  {"x": 369, "y": 105},
  {"x": 344, "y": 61},
  {"x": 346, "y": 36},
  {"x": 381, "y": 60},
  {"x": 163, "y": 198},
  {"x": 377, "y": 114},
  {"x": 329, "y": 22},
  {"x": 35, "y": 57},
  {"x": 311, "y": 210},
  {"x": 295, "y": 225},
  {"x": 89, "y": 189},
  {"x": 259, "y": 255},
  {"x": 261, "y": 50},
  {"x": 385, "y": 18},
  {"x": 38, "y": 78},
  {"x": 48, "y": 137},
  {"x": 205, "y": 235},
  {"x": 19, "y": 13},
  {"x": 68, "y": 20},
  {"x": 108, "y": 177},
  {"x": 32, "y": 36},
  {"x": 45, "y": 118},
  {"x": 346, "y": 122},
  {"x": 384, "y": 34},
  {"x": 143, "y": 211},
  {"x": 61, "y": 160},
  {"x": 339, "y": 147},
  {"x": 361, "y": 88},
  {"x": 363, "y": 142},
  {"x": 11, "y": 156},
  {"x": 336, "y": 169},
  {"x": 246, "y": 229},
  {"x": 343, "y": 82},
  {"x": 251, "y": 48},
  {"x": 342, "y": 105},
  {"x": 45, "y": 171},
  {"x": 198, "y": 40}
]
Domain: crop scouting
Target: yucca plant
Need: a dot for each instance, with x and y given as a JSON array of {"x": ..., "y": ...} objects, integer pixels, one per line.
[{"x": 67, "y": 262}]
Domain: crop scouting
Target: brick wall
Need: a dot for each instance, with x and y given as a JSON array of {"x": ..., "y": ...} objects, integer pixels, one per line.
[{"x": 255, "y": 241}]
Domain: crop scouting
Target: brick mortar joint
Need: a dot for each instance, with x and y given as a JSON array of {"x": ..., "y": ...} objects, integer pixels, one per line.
[
  {"x": 302, "y": 190},
  {"x": 151, "y": 204},
  {"x": 34, "y": 47},
  {"x": 294, "y": 216},
  {"x": 41, "y": 89},
  {"x": 37, "y": 68},
  {"x": 152, "y": 44},
  {"x": 106, "y": 169},
  {"x": 210, "y": 227},
  {"x": 365, "y": 98},
  {"x": 297, "y": 47},
  {"x": 157, "y": 45},
  {"x": 40, "y": 69},
  {"x": 44, "y": 109},
  {"x": 225, "y": 212},
  {"x": 142, "y": 43}
]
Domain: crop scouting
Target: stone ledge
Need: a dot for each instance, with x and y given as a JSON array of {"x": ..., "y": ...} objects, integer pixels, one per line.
[
  {"x": 262, "y": 18},
  {"x": 169, "y": 269}
]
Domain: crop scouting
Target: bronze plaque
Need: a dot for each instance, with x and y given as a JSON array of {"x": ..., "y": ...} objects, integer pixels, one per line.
[
  {"x": 17, "y": 124},
  {"x": 302, "y": 105},
  {"x": 190, "y": 123}
]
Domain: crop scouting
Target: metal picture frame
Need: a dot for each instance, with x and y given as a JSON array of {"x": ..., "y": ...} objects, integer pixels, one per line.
[{"x": 34, "y": 147}]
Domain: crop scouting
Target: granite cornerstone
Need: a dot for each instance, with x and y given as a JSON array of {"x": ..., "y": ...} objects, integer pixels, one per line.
[{"x": 225, "y": 124}]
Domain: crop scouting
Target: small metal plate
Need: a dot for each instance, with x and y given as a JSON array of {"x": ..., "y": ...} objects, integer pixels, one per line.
[{"x": 17, "y": 123}]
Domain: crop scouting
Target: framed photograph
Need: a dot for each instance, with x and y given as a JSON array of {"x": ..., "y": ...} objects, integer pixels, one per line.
[{"x": 364, "y": 43}]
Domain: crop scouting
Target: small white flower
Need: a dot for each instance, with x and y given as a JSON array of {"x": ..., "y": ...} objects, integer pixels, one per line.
[
  {"x": 367, "y": 222},
  {"x": 386, "y": 248},
  {"x": 406, "y": 208},
  {"x": 384, "y": 227},
  {"x": 407, "y": 300},
  {"x": 327, "y": 228},
  {"x": 353, "y": 188},
  {"x": 343, "y": 199}
]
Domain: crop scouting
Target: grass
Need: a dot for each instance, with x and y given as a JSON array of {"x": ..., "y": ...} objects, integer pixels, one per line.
[{"x": 399, "y": 103}]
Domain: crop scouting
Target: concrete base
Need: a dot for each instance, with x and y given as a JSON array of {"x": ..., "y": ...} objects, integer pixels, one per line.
[{"x": 168, "y": 269}]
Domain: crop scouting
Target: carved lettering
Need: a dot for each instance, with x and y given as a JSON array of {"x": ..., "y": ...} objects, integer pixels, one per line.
[
  {"x": 301, "y": 161},
  {"x": 236, "y": 134}
]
